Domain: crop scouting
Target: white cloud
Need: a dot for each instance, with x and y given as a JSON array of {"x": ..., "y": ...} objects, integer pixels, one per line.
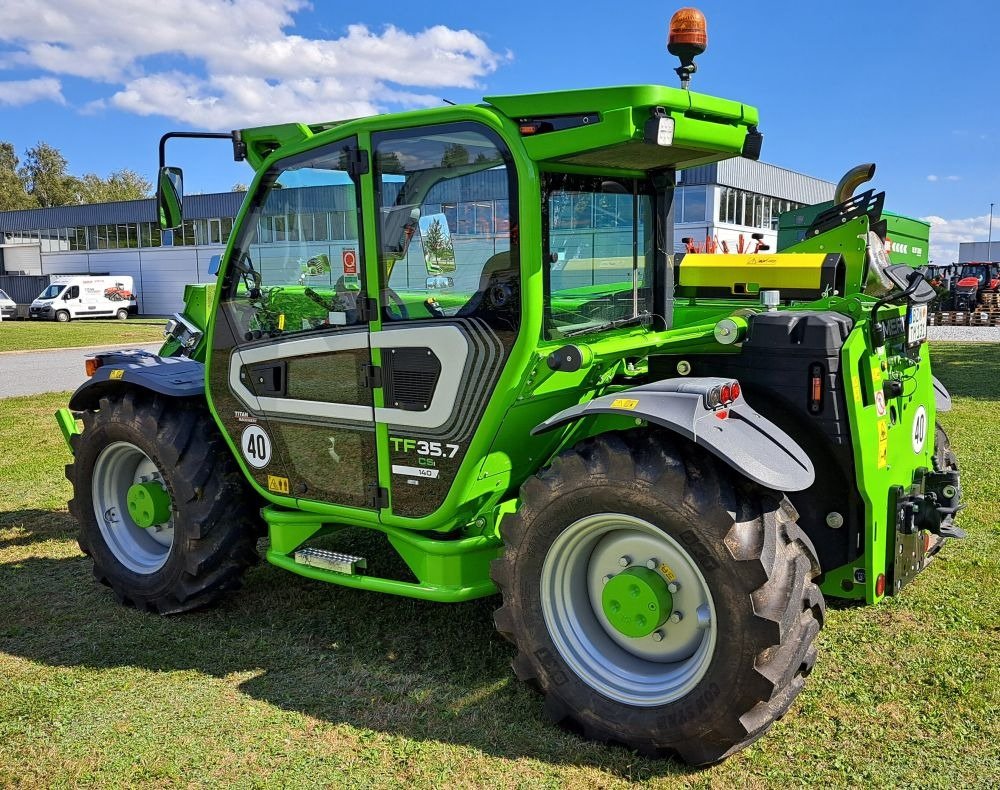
[
  {"x": 933, "y": 178},
  {"x": 19, "y": 92},
  {"x": 234, "y": 62},
  {"x": 946, "y": 234}
]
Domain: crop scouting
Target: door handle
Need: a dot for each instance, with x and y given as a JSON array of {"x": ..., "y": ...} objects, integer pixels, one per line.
[{"x": 270, "y": 379}]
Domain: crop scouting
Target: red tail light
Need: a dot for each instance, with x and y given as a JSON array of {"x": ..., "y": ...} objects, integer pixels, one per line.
[
  {"x": 880, "y": 585},
  {"x": 735, "y": 389},
  {"x": 727, "y": 393}
]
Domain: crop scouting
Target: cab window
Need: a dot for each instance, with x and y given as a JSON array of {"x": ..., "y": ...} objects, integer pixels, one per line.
[
  {"x": 600, "y": 251},
  {"x": 298, "y": 264},
  {"x": 447, "y": 225}
]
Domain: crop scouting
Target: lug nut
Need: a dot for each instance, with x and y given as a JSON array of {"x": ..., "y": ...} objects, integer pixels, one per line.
[
  {"x": 657, "y": 636},
  {"x": 624, "y": 561},
  {"x": 676, "y": 617},
  {"x": 607, "y": 578},
  {"x": 673, "y": 587},
  {"x": 652, "y": 563}
]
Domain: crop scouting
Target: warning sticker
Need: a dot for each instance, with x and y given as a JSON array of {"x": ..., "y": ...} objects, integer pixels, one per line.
[
  {"x": 857, "y": 390},
  {"x": 883, "y": 444},
  {"x": 624, "y": 403},
  {"x": 666, "y": 571},
  {"x": 116, "y": 374},
  {"x": 350, "y": 260},
  {"x": 278, "y": 485}
]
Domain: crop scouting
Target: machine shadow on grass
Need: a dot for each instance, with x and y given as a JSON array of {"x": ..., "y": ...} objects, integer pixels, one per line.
[
  {"x": 34, "y": 526},
  {"x": 966, "y": 370},
  {"x": 404, "y": 667}
]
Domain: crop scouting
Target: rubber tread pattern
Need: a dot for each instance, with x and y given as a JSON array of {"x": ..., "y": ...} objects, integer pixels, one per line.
[
  {"x": 216, "y": 514},
  {"x": 748, "y": 533}
]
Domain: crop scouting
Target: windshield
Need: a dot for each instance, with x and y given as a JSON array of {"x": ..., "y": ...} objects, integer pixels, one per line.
[
  {"x": 600, "y": 252},
  {"x": 974, "y": 271},
  {"x": 51, "y": 292},
  {"x": 4, "y": 297}
]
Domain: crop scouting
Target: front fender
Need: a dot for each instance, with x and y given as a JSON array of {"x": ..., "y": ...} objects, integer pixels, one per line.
[
  {"x": 176, "y": 377},
  {"x": 942, "y": 398},
  {"x": 738, "y": 435}
]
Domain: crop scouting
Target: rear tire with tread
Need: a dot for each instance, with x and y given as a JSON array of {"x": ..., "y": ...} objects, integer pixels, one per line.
[
  {"x": 757, "y": 562},
  {"x": 214, "y": 511}
]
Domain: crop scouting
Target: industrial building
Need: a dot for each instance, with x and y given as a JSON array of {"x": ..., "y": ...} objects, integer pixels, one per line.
[{"x": 719, "y": 202}]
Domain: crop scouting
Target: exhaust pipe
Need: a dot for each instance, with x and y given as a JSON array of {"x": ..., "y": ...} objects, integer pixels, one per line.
[{"x": 851, "y": 180}]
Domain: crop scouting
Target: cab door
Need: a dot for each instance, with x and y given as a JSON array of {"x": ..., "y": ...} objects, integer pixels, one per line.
[
  {"x": 290, "y": 372},
  {"x": 449, "y": 298}
]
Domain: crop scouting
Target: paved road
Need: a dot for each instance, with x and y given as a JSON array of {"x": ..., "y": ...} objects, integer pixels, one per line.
[{"x": 33, "y": 372}]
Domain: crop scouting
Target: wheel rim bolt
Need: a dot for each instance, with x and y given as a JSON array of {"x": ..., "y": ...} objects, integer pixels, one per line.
[
  {"x": 657, "y": 636},
  {"x": 652, "y": 563},
  {"x": 624, "y": 561},
  {"x": 608, "y": 578},
  {"x": 676, "y": 617},
  {"x": 673, "y": 587}
]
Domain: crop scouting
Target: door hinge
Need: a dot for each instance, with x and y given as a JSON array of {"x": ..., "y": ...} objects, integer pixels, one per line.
[
  {"x": 357, "y": 161},
  {"x": 378, "y": 497},
  {"x": 371, "y": 376}
]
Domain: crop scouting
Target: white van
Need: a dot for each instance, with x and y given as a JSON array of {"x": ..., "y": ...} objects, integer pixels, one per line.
[
  {"x": 8, "y": 307},
  {"x": 83, "y": 296}
]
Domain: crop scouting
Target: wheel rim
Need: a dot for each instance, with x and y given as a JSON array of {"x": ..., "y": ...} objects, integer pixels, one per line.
[
  {"x": 119, "y": 467},
  {"x": 643, "y": 671}
]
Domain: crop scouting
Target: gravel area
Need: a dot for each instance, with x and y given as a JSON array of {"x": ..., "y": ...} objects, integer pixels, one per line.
[{"x": 967, "y": 334}]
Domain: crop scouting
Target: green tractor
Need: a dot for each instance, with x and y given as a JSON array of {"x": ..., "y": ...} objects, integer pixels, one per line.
[{"x": 465, "y": 331}]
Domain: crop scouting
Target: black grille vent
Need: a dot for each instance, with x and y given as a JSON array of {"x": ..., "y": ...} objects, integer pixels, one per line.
[{"x": 410, "y": 376}]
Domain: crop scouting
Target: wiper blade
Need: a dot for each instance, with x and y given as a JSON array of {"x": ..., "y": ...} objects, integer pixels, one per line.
[{"x": 642, "y": 318}]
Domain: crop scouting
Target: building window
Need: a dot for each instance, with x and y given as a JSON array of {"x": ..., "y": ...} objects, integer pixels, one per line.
[{"x": 693, "y": 206}]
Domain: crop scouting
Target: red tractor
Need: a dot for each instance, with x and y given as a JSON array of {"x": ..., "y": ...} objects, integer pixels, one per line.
[{"x": 975, "y": 279}]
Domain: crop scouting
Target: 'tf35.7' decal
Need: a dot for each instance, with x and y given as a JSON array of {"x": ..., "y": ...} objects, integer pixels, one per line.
[{"x": 420, "y": 447}]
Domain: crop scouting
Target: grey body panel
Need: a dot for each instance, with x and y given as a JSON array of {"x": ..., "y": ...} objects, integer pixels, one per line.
[
  {"x": 176, "y": 377},
  {"x": 748, "y": 442},
  {"x": 942, "y": 398}
]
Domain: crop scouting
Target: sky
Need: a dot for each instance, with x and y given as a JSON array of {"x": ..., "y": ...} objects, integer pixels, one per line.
[{"x": 907, "y": 85}]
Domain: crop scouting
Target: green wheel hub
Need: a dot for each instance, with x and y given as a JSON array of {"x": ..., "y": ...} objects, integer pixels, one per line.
[
  {"x": 637, "y": 602},
  {"x": 148, "y": 504}
]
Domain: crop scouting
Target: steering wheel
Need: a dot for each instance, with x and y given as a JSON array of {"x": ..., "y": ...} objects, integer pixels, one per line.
[{"x": 397, "y": 302}]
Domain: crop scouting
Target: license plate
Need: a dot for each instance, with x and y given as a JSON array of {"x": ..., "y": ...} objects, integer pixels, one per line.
[{"x": 916, "y": 331}]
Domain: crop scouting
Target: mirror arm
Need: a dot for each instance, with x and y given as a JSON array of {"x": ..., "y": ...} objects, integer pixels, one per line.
[
  {"x": 877, "y": 335},
  {"x": 239, "y": 147}
]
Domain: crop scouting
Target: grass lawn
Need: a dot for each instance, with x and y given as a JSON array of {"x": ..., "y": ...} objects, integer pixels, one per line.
[
  {"x": 292, "y": 682},
  {"x": 34, "y": 335}
]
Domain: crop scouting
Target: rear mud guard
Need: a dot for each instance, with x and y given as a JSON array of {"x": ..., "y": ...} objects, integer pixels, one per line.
[{"x": 736, "y": 434}]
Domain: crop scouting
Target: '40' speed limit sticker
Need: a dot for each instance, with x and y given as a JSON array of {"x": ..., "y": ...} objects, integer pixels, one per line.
[{"x": 255, "y": 445}]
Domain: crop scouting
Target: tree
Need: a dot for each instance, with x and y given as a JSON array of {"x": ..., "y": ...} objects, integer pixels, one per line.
[
  {"x": 122, "y": 184},
  {"x": 434, "y": 240},
  {"x": 13, "y": 195},
  {"x": 239, "y": 187},
  {"x": 455, "y": 155},
  {"x": 45, "y": 178}
]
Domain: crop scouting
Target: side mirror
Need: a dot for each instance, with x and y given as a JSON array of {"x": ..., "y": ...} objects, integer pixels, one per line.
[
  {"x": 213, "y": 265},
  {"x": 439, "y": 283},
  {"x": 912, "y": 281},
  {"x": 439, "y": 250},
  {"x": 170, "y": 198}
]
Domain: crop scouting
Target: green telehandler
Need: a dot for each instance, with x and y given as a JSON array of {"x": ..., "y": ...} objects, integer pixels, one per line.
[{"x": 466, "y": 330}]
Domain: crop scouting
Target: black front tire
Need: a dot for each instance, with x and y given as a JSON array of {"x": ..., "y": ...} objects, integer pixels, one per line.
[
  {"x": 122, "y": 314},
  {"x": 756, "y": 561},
  {"x": 214, "y": 512},
  {"x": 62, "y": 316}
]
